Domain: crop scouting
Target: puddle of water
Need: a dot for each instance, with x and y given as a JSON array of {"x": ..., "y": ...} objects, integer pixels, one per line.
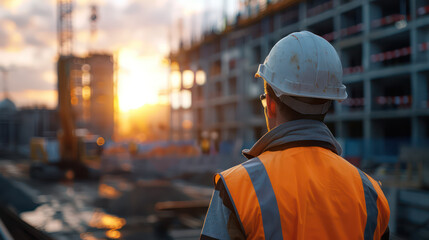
[
  {"x": 113, "y": 234},
  {"x": 88, "y": 236},
  {"x": 107, "y": 191},
  {"x": 55, "y": 225},
  {"x": 40, "y": 216},
  {"x": 103, "y": 220}
]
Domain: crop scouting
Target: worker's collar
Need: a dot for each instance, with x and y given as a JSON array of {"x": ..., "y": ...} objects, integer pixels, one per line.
[{"x": 298, "y": 133}]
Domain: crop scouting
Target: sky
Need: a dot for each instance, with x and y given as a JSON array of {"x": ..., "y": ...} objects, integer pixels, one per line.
[{"x": 141, "y": 32}]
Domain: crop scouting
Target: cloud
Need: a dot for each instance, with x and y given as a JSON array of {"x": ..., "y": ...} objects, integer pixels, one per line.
[
  {"x": 50, "y": 77},
  {"x": 10, "y": 4},
  {"x": 12, "y": 39},
  {"x": 21, "y": 21},
  {"x": 28, "y": 36},
  {"x": 4, "y": 38},
  {"x": 33, "y": 23},
  {"x": 32, "y": 97},
  {"x": 23, "y": 78},
  {"x": 143, "y": 21}
]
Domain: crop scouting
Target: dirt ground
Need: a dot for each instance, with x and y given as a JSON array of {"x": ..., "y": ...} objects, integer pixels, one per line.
[{"x": 116, "y": 206}]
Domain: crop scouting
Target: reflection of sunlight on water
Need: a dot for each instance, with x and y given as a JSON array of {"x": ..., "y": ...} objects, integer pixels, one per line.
[
  {"x": 114, "y": 234},
  {"x": 125, "y": 186},
  {"x": 102, "y": 220},
  {"x": 58, "y": 218},
  {"x": 40, "y": 217},
  {"x": 87, "y": 236},
  {"x": 107, "y": 191},
  {"x": 54, "y": 225}
]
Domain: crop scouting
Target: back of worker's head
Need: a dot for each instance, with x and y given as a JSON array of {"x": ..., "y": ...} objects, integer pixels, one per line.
[
  {"x": 288, "y": 113},
  {"x": 303, "y": 74}
]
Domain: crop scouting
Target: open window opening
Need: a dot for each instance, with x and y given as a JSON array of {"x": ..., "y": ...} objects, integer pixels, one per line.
[
  {"x": 324, "y": 29},
  {"x": 316, "y": 7},
  {"x": 355, "y": 100},
  {"x": 351, "y": 60},
  {"x": 391, "y": 51},
  {"x": 389, "y": 136},
  {"x": 386, "y": 13},
  {"x": 351, "y": 23},
  {"x": 391, "y": 93}
]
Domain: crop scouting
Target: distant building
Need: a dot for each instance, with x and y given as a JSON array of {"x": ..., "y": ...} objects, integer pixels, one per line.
[
  {"x": 35, "y": 122},
  {"x": 18, "y": 126},
  {"x": 384, "y": 48},
  {"x": 88, "y": 86},
  {"x": 8, "y": 125}
]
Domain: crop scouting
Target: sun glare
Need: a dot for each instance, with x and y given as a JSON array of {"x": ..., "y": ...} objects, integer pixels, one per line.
[{"x": 140, "y": 80}]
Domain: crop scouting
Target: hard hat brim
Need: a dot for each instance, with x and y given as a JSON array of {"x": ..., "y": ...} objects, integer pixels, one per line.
[{"x": 298, "y": 89}]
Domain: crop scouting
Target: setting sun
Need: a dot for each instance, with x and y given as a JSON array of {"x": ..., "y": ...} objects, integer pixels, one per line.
[{"x": 140, "y": 79}]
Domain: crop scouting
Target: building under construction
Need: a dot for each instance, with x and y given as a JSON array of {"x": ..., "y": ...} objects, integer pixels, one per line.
[
  {"x": 383, "y": 46},
  {"x": 384, "y": 49},
  {"x": 88, "y": 83}
]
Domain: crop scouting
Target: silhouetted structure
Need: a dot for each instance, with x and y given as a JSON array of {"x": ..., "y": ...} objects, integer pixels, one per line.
[
  {"x": 86, "y": 84},
  {"x": 18, "y": 126}
]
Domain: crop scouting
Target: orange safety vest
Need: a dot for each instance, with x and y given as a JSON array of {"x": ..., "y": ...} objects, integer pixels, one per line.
[{"x": 305, "y": 193}]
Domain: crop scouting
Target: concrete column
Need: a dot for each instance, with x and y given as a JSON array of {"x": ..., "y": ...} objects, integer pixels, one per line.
[
  {"x": 339, "y": 130},
  {"x": 302, "y": 15},
  {"x": 415, "y": 131},
  {"x": 393, "y": 199},
  {"x": 413, "y": 32},
  {"x": 205, "y": 94},
  {"x": 337, "y": 23},
  {"x": 412, "y": 5},
  {"x": 366, "y": 47},
  {"x": 415, "y": 126},
  {"x": 366, "y": 53},
  {"x": 367, "y": 123},
  {"x": 277, "y": 22},
  {"x": 242, "y": 106},
  {"x": 367, "y": 137}
]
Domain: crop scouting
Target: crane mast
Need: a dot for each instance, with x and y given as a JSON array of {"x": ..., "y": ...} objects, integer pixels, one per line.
[{"x": 65, "y": 27}]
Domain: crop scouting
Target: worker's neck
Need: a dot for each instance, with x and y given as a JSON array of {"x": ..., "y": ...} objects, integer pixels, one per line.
[{"x": 276, "y": 121}]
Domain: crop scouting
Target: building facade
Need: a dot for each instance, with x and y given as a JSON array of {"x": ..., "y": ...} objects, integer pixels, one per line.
[
  {"x": 87, "y": 85},
  {"x": 383, "y": 46},
  {"x": 19, "y": 126}
]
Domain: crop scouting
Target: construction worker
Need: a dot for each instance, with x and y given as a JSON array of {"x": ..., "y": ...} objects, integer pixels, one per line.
[{"x": 295, "y": 184}]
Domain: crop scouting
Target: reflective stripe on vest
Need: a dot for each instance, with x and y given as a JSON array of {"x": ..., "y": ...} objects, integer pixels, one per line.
[
  {"x": 266, "y": 198},
  {"x": 371, "y": 206}
]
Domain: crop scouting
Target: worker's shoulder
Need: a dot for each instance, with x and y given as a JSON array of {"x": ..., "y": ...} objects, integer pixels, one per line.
[
  {"x": 376, "y": 185},
  {"x": 235, "y": 173},
  {"x": 236, "y": 170},
  {"x": 373, "y": 183}
]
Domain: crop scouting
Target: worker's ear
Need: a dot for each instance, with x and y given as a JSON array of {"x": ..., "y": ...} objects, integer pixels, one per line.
[{"x": 271, "y": 107}]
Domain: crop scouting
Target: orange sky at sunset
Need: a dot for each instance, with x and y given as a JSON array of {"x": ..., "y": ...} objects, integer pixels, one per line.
[{"x": 138, "y": 30}]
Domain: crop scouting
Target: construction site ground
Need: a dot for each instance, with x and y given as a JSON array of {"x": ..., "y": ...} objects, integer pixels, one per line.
[{"x": 116, "y": 206}]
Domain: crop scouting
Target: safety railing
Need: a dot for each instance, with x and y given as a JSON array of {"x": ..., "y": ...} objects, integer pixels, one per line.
[
  {"x": 389, "y": 55},
  {"x": 352, "y": 70},
  {"x": 394, "y": 102},
  {"x": 421, "y": 11},
  {"x": 388, "y": 20},
  {"x": 354, "y": 103},
  {"x": 345, "y": 32},
  {"x": 320, "y": 8}
]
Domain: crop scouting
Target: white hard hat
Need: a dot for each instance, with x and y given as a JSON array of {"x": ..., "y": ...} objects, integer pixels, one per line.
[{"x": 303, "y": 64}]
